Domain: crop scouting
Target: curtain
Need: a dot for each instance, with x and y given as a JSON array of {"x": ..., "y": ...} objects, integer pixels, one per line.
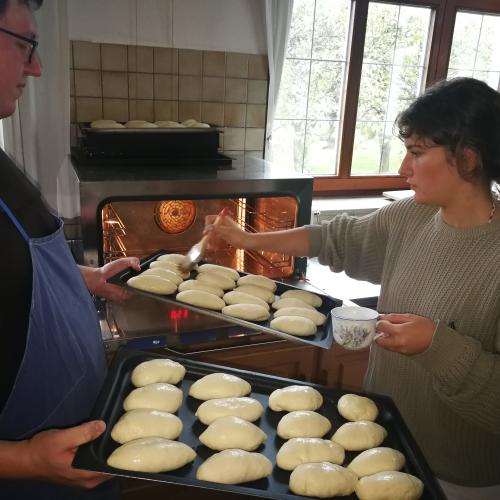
[{"x": 278, "y": 15}]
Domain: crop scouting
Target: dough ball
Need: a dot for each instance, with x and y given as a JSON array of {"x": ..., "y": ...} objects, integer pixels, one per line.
[
  {"x": 304, "y": 312},
  {"x": 232, "y": 432},
  {"x": 389, "y": 486},
  {"x": 246, "y": 408},
  {"x": 140, "y": 124},
  {"x": 377, "y": 460},
  {"x": 217, "y": 280},
  {"x": 153, "y": 454},
  {"x": 322, "y": 480},
  {"x": 106, "y": 124},
  {"x": 152, "y": 283},
  {"x": 295, "y": 397},
  {"x": 234, "y": 467},
  {"x": 201, "y": 298},
  {"x": 300, "y": 450},
  {"x": 201, "y": 125},
  {"x": 236, "y": 297},
  {"x": 294, "y": 325},
  {"x": 169, "y": 266},
  {"x": 257, "y": 291},
  {"x": 251, "y": 312},
  {"x": 197, "y": 285},
  {"x": 168, "y": 124},
  {"x": 219, "y": 385},
  {"x": 256, "y": 280},
  {"x": 189, "y": 123},
  {"x": 307, "y": 297},
  {"x": 361, "y": 435},
  {"x": 163, "y": 272},
  {"x": 157, "y": 370},
  {"x": 303, "y": 423},
  {"x": 291, "y": 302},
  {"x": 353, "y": 407},
  {"x": 228, "y": 272},
  {"x": 160, "y": 396},
  {"x": 173, "y": 258},
  {"x": 143, "y": 422}
]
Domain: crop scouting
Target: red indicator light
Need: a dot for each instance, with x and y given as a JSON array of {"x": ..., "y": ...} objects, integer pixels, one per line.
[{"x": 177, "y": 314}]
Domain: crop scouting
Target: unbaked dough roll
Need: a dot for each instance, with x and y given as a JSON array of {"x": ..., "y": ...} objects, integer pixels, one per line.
[
  {"x": 236, "y": 297},
  {"x": 294, "y": 325},
  {"x": 307, "y": 297},
  {"x": 140, "y": 124},
  {"x": 201, "y": 298},
  {"x": 304, "y": 312},
  {"x": 353, "y": 407},
  {"x": 228, "y": 272},
  {"x": 257, "y": 291},
  {"x": 250, "y": 312},
  {"x": 291, "y": 302},
  {"x": 198, "y": 285},
  {"x": 303, "y": 424},
  {"x": 153, "y": 454},
  {"x": 234, "y": 467},
  {"x": 152, "y": 283},
  {"x": 298, "y": 451},
  {"x": 174, "y": 258},
  {"x": 218, "y": 280},
  {"x": 157, "y": 370},
  {"x": 168, "y": 124},
  {"x": 295, "y": 397},
  {"x": 169, "y": 266},
  {"x": 106, "y": 124},
  {"x": 361, "y": 435},
  {"x": 246, "y": 408},
  {"x": 257, "y": 280},
  {"x": 377, "y": 460},
  {"x": 144, "y": 422},
  {"x": 322, "y": 480},
  {"x": 159, "y": 396},
  {"x": 389, "y": 486},
  {"x": 231, "y": 432},
  {"x": 163, "y": 272},
  {"x": 219, "y": 385}
]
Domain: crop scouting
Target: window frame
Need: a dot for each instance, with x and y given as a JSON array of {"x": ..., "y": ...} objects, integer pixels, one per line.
[{"x": 442, "y": 26}]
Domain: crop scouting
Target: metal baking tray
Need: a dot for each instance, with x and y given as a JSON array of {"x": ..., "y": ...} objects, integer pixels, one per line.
[
  {"x": 322, "y": 338},
  {"x": 92, "y": 456}
]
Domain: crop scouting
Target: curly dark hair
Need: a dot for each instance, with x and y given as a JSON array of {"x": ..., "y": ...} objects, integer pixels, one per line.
[
  {"x": 458, "y": 113},
  {"x": 32, "y": 4}
]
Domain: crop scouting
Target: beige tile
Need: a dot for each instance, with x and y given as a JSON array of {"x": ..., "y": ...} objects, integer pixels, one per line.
[
  {"x": 236, "y": 90},
  {"x": 140, "y": 109},
  {"x": 88, "y": 109},
  {"x": 234, "y": 139},
  {"x": 166, "y": 110},
  {"x": 190, "y": 88},
  {"x": 114, "y": 57},
  {"x": 254, "y": 139},
  {"x": 213, "y": 89},
  {"x": 71, "y": 82},
  {"x": 88, "y": 83},
  {"x": 166, "y": 60},
  {"x": 86, "y": 55},
  {"x": 189, "y": 109},
  {"x": 257, "y": 91},
  {"x": 132, "y": 57},
  {"x": 257, "y": 67},
  {"x": 234, "y": 115},
  {"x": 115, "y": 109},
  {"x": 214, "y": 63},
  {"x": 190, "y": 62},
  {"x": 236, "y": 65},
  {"x": 166, "y": 87},
  {"x": 114, "y": 84},
  {"x": 142, "y": 84},
  {"x": 212, "y": 113},
  {"x": 145, "y": 58},
  {"x": 72, "y": 110},
  {"x": 256, "y": 115}
]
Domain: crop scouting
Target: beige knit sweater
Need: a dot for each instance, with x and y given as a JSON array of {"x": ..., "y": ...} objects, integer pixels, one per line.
[{"x": 448, "y": 395}]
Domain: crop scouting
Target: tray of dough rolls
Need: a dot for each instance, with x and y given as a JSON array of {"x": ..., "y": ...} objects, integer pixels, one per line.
[
  {"x": 252, "y": 301},
  {"x": 194, "y": 424}
]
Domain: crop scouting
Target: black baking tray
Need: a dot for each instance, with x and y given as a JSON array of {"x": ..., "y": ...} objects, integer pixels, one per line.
[
  {"x": 92, "y": 456},
  {"x": 322, "y": 338}
]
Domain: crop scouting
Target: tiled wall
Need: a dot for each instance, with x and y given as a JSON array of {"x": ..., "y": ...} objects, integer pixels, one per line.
[{"x": 122, "y": 83}]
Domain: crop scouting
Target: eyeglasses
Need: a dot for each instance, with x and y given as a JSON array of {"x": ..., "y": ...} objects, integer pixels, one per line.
[{"x": 33, "y": 43}]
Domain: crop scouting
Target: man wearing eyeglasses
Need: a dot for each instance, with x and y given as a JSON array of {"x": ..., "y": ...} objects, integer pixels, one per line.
[{"x": 51, "y": 357}]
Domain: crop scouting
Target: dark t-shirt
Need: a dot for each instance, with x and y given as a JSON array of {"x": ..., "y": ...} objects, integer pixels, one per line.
[{"x": 24, "y": 200}]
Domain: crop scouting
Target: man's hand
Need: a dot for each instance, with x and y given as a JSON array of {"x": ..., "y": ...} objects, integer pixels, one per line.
[{"x": 405, "y": 333}]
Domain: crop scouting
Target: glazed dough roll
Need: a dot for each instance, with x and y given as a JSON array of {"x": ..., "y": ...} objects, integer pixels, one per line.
[
  {"x": 353, "y": 407},
  {"x": 160, "y": 396},
  {"x": 218, "y": 280},
  {"x": 291, "y": 302},
  {"x": 157, "y": 370},
  {"x": 257, "y": 280},
  {"x": 219, "y": 385},
  {"x": 169, "y": 266},
  {"x": 236, "y": 297},
  {"x": 294, "y": 325},
  {"x": 308, "y": 297},
  {"x": 229, "y": 273},
  {"x": 304, "y": 312},
  {"x": 298, "y": 451},
  {"x": 377, "y": 460},
  {"x": 389, "y": 486},
  {"x": 152, "y": 283},
  {"x": 246, "y": 408},
  {"x": 161, "y": 270},
  {"x": 198, "y": 285},
  {"x": 361, "y": 435},
  {"x": 250, "y": 312},
  {"x": 201, "y": 298},
  {"x": 257, "y": 291},
  {"x": 295, "y": 397},
  {"x": 303, "y": 424}
]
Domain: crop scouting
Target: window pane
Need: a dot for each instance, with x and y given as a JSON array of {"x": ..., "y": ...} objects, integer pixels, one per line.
[
  {"x": 330, "y": 29},
  {"x": 288, "y": 142},
  {"x": 394, "y": 66},
  {"x": 320, "y": 147},
  {"x": 292, "y": 101},
  {"x": 301, "y": 29},
  {"x": 324, "y": 90},
  {"x": 475, "y": 49}
]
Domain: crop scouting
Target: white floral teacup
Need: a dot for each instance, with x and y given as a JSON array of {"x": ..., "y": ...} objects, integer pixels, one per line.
[{"x": 354, "y": 327}]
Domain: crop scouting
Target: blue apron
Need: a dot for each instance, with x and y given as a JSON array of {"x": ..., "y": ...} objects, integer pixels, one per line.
[{"x": 63, "y": 366}]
